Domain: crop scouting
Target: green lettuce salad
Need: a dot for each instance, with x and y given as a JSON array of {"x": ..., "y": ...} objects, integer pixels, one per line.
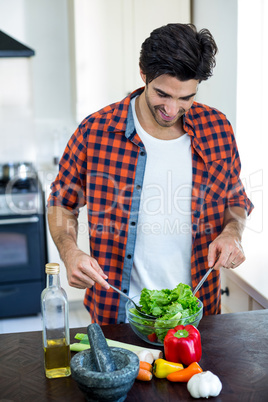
[{"x": 166, "y": 305}]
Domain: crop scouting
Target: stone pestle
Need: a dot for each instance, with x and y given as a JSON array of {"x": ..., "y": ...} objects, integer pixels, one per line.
[{"x": 101, "y": 353}]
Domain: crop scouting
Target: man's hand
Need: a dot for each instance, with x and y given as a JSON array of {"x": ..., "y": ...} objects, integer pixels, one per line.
[
  {"x": 226, "y": 250},
  {"x": 83, "y": 271},
  {"x": 229, "y": 250}
]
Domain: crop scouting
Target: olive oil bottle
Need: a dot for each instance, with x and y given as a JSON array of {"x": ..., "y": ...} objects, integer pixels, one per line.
[{"x": 55, "y": 317}]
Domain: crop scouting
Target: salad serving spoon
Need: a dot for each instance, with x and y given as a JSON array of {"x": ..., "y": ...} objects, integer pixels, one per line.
[{"x": 138, "y": 308}]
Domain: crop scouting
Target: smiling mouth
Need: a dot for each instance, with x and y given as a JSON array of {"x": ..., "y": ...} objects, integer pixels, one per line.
[{"x": 165, "y": 116}]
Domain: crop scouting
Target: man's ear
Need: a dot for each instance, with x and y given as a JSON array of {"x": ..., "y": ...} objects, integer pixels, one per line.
[{"x": 143, "y": 76}]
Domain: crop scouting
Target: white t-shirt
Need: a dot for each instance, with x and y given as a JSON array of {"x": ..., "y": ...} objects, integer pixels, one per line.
[{"x": 162, "y": 256}]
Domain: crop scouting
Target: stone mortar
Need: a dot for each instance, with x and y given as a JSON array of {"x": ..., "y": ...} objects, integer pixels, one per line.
[{"x": 105, "y": 386}]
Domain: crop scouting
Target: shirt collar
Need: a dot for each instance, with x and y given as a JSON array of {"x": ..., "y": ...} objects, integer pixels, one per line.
[
  {"x": 188, "y": 122},
  {"x": 122, "y": 120}
]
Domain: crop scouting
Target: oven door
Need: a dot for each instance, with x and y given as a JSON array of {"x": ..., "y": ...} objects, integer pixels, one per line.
[{"x": 22, "y": 249}]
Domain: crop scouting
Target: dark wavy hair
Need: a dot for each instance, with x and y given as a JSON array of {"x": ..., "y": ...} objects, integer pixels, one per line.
[{"x": 180, "y": 51}]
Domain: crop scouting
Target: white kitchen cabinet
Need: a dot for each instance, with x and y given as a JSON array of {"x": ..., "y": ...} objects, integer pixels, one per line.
[
  {"x": 245, "y": 290},
  {"x": 254, "y": 305},
  {"x": 106, "y": 42},
  {"x": 237, "y": 300}
]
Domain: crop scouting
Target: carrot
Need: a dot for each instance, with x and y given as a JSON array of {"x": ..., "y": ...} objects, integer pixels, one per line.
[
  {"x": 144, "y": 375},
  {"x": 146, "y": 366},
  {"x": 184, "y": 375}
]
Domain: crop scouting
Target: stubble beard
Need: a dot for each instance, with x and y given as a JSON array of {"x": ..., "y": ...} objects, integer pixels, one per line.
[{"x": 160, "y": 121}]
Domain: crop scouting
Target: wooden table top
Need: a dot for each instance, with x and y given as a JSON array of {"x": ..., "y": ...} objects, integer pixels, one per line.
[{"x": 235, "y": 347}]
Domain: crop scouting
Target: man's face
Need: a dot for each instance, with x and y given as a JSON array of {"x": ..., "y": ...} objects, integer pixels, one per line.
[{"x": 168, "y": 98}]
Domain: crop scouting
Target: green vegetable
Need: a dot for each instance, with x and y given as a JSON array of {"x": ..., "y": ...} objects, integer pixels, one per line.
[
  {"x": 169, "y": 302},
  {"x": 170, "y": 307},
  {"x": 84, "y": 344}
]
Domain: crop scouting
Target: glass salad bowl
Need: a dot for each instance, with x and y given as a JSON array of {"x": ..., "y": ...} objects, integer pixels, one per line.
[{"x": 153, "y": 331}]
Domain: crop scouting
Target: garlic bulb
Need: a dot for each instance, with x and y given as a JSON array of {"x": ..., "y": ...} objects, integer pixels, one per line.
[{"x": 204, "y": 385}]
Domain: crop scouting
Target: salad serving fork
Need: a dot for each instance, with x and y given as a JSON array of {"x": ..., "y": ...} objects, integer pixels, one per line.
[{"x": 138, "y": 308}]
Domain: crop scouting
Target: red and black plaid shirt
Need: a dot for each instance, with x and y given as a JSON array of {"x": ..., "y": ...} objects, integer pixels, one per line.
[{"x": 103, "y": 167}]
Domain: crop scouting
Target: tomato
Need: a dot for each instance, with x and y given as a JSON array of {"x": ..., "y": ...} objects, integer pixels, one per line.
[{"x": 152, "y": 337}]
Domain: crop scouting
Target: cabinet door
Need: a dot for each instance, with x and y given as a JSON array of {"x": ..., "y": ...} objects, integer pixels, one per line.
[
  {"x": 239, "y": 297},
  {"x": 106, "y": 40},
  {"x": 237, "y": 300}
]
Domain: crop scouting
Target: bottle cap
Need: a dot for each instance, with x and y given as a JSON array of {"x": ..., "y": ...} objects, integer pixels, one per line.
[{"x": 52, "y": 268}]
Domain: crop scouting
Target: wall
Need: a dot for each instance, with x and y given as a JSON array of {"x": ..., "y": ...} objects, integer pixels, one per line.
[
  {"x": 108, "y": 37},
  {"x": 43, "y": 26},
  {"x": 252, "y": 105},
  {"x": 220, "y": 17}
]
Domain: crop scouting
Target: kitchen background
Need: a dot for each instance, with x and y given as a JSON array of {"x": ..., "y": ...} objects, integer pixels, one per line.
[{"x": 86, "y": 56}]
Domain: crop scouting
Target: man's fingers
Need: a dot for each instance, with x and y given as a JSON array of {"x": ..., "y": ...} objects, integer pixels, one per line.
[
  {"x": 96, "y": 277},
  {"x": 97, "y": 268},
  {"x": 222, "y": 258},
  {"x": 229, "y": 251},
  {"x": 86, "y": 273},
  {"x": 212, "y": 255},
  {"x": 97, "y": 274},
  {"x": 235, "y": 259}
]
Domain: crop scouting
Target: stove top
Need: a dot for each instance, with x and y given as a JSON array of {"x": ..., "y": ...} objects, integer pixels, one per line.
[
  {"x": 21, "y": 196},
  {"x": 19, "y": 186}
]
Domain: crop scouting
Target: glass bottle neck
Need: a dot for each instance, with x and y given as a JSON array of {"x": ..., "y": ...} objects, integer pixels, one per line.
[{"x": 53, "y": 280}]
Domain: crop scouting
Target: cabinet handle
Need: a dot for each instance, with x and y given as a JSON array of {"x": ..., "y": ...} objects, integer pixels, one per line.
[
  {"x": 8, "y": 292},
  {"x": 19, "y": 220},
  {"x": 225, "y": 291}
]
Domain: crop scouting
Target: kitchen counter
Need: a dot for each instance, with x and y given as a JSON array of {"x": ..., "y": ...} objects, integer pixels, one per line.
[{"x": 234, "y": 348}]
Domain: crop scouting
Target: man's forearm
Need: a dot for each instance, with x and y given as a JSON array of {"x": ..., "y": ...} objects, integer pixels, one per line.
[
  {"x": 83, "y": 271},
  {"x": 63, "y": 229},
  {"x": 235, "y": 221},
  {"x": 226, "y": 250}
]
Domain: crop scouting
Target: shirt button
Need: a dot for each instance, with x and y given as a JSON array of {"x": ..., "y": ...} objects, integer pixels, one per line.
[
  {"x": 138, "y": 187},
  {"x": 133, "y": 223},
  {"x": 125, "y": 290},
  {"x": 142, "y": 153},
  {"x": 129, "y": 256}
]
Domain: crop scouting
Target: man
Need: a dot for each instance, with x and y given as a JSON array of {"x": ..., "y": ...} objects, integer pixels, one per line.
[{"x": 159, "y": 174}]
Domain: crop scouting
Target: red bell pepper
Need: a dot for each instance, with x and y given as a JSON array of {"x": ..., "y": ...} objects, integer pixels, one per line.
[{"x": 182, "y": 344}]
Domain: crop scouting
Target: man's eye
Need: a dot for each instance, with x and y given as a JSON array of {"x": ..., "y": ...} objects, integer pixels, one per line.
[
  {"x": 161, "y": 95},
  {"x": 187, "y": 99}
]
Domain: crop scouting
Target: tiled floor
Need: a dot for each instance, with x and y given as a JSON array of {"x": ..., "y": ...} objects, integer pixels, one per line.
[{"x": 78, "y": 317}]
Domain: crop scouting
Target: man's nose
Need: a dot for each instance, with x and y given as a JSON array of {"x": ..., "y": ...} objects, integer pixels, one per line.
[{"x": 171, "y": 108}]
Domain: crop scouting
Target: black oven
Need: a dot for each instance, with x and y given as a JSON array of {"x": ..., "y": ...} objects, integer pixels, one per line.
[{"x": 23, "y": 251}]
